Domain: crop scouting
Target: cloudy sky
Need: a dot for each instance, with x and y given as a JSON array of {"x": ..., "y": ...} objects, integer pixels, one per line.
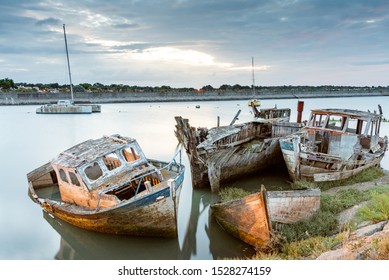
[{"x": 192, "y": 43}]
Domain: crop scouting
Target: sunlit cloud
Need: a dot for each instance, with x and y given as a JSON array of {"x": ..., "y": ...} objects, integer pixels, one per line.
[
  {"x": 259, "y": 68},
  {"x": 175, "y": 55}
]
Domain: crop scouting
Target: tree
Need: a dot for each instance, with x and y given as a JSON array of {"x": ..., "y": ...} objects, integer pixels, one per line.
[
  {"x": 207, "y": 88},
  {"x": 7, "y": 84}
]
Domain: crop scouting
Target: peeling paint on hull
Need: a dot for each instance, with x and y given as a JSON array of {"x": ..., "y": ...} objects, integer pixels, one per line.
[
  {"x": 224, "y": 153},
  {"x": 250, "y": 217},
  {"x": 329, "y": 150}
]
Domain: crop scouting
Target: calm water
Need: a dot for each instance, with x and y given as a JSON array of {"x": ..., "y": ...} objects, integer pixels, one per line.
[{"x": 29, "y": 140}]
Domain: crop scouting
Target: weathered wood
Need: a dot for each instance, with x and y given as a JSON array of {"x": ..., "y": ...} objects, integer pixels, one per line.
[
  {"x": 246, "y": 219},
  {"x": 325, "y": 152},
  {"x": 289, "y": 207},
  {"x": 250, "y": 217},
  {"x": 131, "y": 195},
  {"x": 236, "y": 117},
  {"x": 219, "y": 154}
]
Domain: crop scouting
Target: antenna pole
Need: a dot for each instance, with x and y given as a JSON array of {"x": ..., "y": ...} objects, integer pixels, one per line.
[
  {"x": 67, "y": 57},
  {"x": 252, "y": 66}
]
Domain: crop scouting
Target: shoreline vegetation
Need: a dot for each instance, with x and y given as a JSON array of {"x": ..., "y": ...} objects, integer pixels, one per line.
[
  {"x": 29, "y": 94},
  {"x": 352, "y": 223}
]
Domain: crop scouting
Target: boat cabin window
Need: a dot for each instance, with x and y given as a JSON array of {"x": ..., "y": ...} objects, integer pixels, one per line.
[
  {"x": 336, "y": 122},
  {"x": 112, "y": 161},
  {"x": 130, "y": 154},
  {"x": 62, "y": 175},
  {"x": 74, "y": 179},
  {"x": 93, "y": 171},
  {"x": 317, "y": 120},
  {"x": 362, "y": 127},
  {"x": 352, "y": 126}
]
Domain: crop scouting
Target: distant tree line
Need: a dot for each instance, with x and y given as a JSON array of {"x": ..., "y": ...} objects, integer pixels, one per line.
[{"x": 8, "y": 85}]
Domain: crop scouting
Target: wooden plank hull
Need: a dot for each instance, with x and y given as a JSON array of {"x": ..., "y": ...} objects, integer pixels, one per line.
[
  {"x": 289, "y": 207},
  {"x": 228, "y": 164},
  {"x": 246, "y": 219},
  {"x": 335, "y": 144},
  {"x": 224, "y": 153},
  {"x": 154, "y": 214},
  {"x": 250, "y": 218},
  {"x": 319, "y": 171}
]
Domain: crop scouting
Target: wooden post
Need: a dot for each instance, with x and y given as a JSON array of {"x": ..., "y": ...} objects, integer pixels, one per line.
[{"x": 236, "y": 117}]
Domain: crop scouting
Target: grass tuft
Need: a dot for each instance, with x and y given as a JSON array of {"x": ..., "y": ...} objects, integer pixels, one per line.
[
  {"x": 366, "y": 175},
  {"x": 229, "y": 194},
  {"x": 377, "y": 209}
]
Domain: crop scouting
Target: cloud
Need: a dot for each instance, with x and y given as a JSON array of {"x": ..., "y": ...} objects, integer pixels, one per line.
[
  {"x": 218, "y": 37},
  {"x": 174, "y": 55},
  {"x": 48, "y": 21}
]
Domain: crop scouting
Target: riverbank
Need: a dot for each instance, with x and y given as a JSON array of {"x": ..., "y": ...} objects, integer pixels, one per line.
[
  {"x": 340, "y": 231},
  {"x": 34, "y": 98}
]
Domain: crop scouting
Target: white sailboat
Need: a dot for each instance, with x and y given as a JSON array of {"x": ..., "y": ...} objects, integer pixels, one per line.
[
  {"x": 253, "y": 102},
  {"x": 68, "y": 106}
]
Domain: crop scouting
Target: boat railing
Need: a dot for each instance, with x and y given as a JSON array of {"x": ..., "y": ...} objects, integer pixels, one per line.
[{"x": 168, "y": 166}]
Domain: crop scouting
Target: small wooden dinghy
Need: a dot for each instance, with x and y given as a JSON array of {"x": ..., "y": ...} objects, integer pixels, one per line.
[{"x": 250, "y": 218}]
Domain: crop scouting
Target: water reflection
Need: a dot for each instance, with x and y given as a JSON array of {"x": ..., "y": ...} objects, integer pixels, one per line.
[
  {"x": 80, "y": 244},
  {"x": 220, "y": 244}
]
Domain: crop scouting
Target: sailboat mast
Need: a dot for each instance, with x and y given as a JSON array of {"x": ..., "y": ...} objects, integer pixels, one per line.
[
  {"x": 252, "y": 66},
  {"x": 67, "y": 57}
]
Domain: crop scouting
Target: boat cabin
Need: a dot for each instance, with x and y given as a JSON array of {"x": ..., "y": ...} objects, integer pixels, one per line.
[
  {"x": 64, "y": 102},
  {"x": 343, "y": 132},
  {"x": 104, "y": 172}
]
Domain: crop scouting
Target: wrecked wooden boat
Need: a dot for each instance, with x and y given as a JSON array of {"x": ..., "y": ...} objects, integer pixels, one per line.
[
  {"x": 335, "y": 144},
  {"x": 251, "y": 217},
  {"x": 246, "y": 219},
  {"x": 271, "y": 113},
  {"x": 108, "y": 185},
  {"x": 223, "y": 153}
]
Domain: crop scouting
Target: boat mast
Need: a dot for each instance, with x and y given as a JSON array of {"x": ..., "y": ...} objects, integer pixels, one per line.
[
  {"x": 252, "y": 66},
  {"x": 67, "y": 57}
]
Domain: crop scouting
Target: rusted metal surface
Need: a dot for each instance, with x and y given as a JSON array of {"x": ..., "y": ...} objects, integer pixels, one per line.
[
  {"x": 250, "y": 218},
  {"x": 223, "y": 153},
  {"x": 334, "y": 145},
  {"x": 98, "y": 185},
  {"x": 246, "y": 219}
]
